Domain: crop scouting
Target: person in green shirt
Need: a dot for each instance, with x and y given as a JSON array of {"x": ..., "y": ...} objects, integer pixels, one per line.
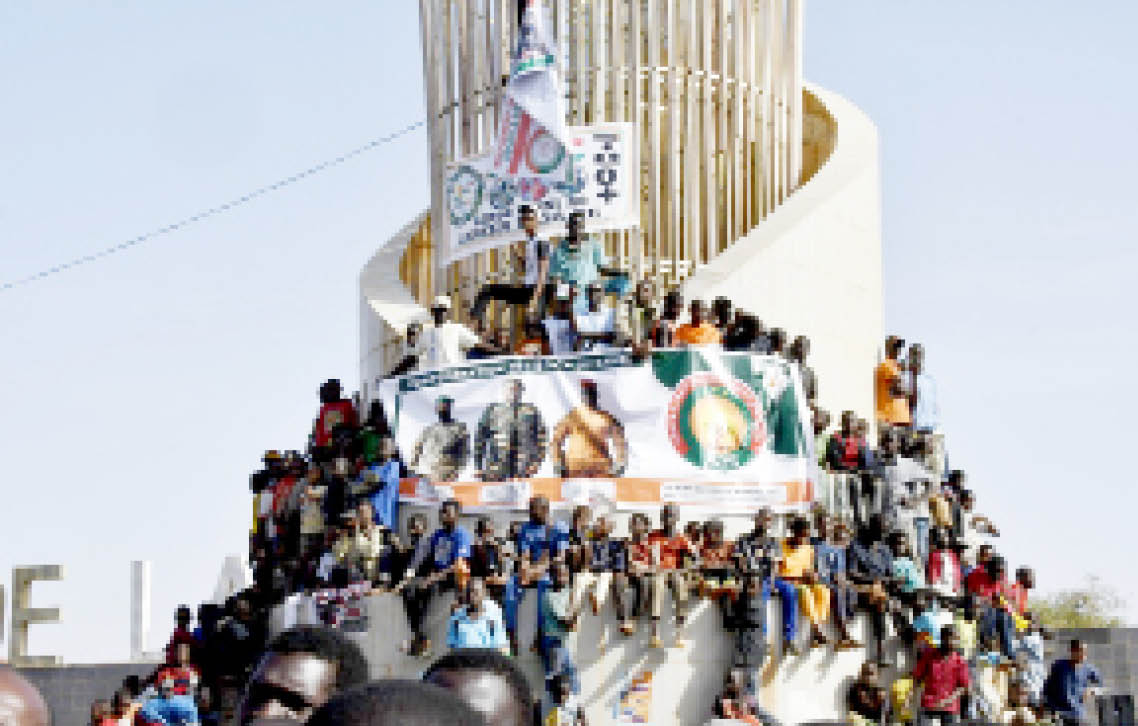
[{"x": 558, "y": 618}]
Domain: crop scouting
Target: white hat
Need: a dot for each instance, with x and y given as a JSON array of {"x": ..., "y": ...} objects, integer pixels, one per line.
[{"x": 442, "y": 301}]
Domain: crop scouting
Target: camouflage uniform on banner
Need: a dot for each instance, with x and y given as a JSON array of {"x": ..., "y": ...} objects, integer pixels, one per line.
[
  {"x": 442, "y": 451},
  {"x": 511, "y": 438}
]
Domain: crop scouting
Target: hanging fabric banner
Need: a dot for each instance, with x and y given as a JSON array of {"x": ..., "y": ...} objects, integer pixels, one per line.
[
  {"x": 538, "y": 161},
  {"x": 700, "y": 427}
]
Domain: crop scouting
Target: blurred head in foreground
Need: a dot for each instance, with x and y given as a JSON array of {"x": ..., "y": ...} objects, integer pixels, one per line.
[
  {"x": 396, "y": 703},
  {"x": 20, "y": 702}
]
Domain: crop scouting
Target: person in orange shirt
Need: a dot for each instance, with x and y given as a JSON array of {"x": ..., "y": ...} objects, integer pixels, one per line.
[
  {"x": 797, "y": 566},
  {"x": 673, "y": 553},
  {"x": 892, "y": 392},
  {"x": 698, "y": 331}
]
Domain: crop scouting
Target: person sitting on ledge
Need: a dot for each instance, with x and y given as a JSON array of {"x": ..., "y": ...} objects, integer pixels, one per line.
[
  {"x": 797, "y": 567},
  {"x": 673, "y": 553},
  {"x": 698, "y": 331},
  {"x": 448, "y": 554},
  {"x": 759, "y": 553},
  {"x": 830, "y": 556}
]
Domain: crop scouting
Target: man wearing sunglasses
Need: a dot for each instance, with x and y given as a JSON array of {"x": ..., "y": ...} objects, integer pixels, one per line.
[{"x": 300, "y": 671}]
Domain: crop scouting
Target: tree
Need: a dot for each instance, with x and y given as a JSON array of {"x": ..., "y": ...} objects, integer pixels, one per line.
[{"x": 1095, "y": 605}]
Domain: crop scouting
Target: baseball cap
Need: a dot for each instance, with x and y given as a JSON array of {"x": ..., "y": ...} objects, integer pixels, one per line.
[{"x": 442, "y": 301}]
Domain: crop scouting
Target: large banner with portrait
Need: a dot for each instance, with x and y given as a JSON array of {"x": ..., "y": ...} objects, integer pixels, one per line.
[
  {"x": 728, "y": 431},
  {"x": 593, "y": 172}
]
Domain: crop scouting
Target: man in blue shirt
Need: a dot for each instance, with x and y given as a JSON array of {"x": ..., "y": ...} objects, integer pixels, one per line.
[
  {"x": 1066, "y": 686},
  {"x": 539, "y": 543},
  {"x": 385, "y": 476},
  {"x": 579, "y": 261},
  {"x": 830, "y": 567},
  {"x": 478, "y": 624},
  {"x": 447, "y": 547}
]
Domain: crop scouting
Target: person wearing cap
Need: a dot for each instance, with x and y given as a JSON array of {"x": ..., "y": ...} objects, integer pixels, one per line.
[
  {"x": 445, "y": 342},
  {"x": 589, "y": 441},
  {"x": 596, "y": 326},
  {"x": 892, "y": 392},
  {"x": 535, "y": 260},
  {"x": 443, "y": 448}
]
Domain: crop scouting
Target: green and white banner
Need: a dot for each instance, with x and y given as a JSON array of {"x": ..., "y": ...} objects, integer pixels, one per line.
[{"x": 680, "y": 418}]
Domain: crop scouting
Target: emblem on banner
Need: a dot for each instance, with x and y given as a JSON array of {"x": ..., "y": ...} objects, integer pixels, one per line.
[
  {"x": 714, "y": 421},
  {"x": 463, "y": 194}
]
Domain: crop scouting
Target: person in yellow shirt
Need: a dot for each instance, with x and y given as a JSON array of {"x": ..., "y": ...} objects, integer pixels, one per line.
[
  {"x": 797, "y": 567},
  {"x": 892, "y": 392},
  {"x": 698, "y": 331}
]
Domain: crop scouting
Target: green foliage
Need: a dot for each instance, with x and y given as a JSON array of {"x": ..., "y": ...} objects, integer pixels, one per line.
[{"x": 1095, "y": 605}]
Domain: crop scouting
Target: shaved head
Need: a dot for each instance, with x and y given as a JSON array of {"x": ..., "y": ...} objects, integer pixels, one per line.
[{"x": 20, "y": 702}]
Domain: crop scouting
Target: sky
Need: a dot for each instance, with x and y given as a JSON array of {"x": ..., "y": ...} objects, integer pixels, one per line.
[{"x": 138, "y": 392}]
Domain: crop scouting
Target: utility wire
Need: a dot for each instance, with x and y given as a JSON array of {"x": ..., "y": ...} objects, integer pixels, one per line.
[{"x": 213, "y": 211}]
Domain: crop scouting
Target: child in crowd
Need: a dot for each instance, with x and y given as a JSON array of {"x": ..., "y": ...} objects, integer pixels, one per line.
[
  {"x": 867, "y": 703},
  {"x": 558, "y": 617},
  {"x": 944, "y": 573},
  {"x": 565, "y": 709}
]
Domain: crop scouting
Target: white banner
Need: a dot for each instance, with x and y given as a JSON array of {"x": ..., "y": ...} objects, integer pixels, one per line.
[
  {"x": 595, "y": 175},
  {"x": 701, "y": 427}
]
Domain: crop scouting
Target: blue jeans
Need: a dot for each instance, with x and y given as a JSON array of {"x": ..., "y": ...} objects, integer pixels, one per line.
[
  {"x": 997, "y": 622},
  {"x": 173, "y": 710},
  {"x": 557, "y": 660},
  {"x": 511, "y": 598},
  {"x": 789, "y": 596},
  {"x": 921, "y": 524}
]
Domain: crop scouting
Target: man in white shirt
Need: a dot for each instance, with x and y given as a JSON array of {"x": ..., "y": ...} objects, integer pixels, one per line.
[
  {"x": 535, "y": 265},
  {"x": 559, "y": 328},
  {"x": 445, "y": 343},
  {"x": 596, "y": 327}
]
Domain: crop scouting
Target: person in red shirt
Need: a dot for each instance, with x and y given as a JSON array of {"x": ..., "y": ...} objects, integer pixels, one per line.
[
  {"x": 943, "y": 678},
  {"x": 673, "y": 553},
  {"x": 989, "y": 585},
  {"x": 183, "y": 677},
  {"x": 641, "y": 563},
  {"x": 334, "y": 412},
  {"x": 182, "y": 633}
]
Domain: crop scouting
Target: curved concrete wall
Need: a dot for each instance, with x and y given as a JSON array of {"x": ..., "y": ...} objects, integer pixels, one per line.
[{"x": 813, "y": 267}]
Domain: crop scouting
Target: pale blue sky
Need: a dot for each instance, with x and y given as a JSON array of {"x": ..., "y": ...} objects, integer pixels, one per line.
[{"x": 139, "y": 391}]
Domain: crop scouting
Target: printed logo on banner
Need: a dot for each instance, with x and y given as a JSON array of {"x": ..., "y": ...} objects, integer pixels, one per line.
[{"x": 714, "y": 422}]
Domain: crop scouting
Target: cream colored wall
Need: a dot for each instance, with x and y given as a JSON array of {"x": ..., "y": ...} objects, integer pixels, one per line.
[
  {"x": 796, "y": 689},
  {"x": 813, "y": 267}
]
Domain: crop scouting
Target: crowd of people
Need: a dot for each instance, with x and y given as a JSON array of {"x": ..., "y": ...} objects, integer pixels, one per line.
[
  {"x": 895, "y": 535},
  {"x": 570, "y": 299}
]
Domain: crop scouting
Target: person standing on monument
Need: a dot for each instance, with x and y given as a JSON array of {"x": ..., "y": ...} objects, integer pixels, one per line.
[
  {"x": 892, "y": 390},
  {"x": 534, "y": 256}
]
